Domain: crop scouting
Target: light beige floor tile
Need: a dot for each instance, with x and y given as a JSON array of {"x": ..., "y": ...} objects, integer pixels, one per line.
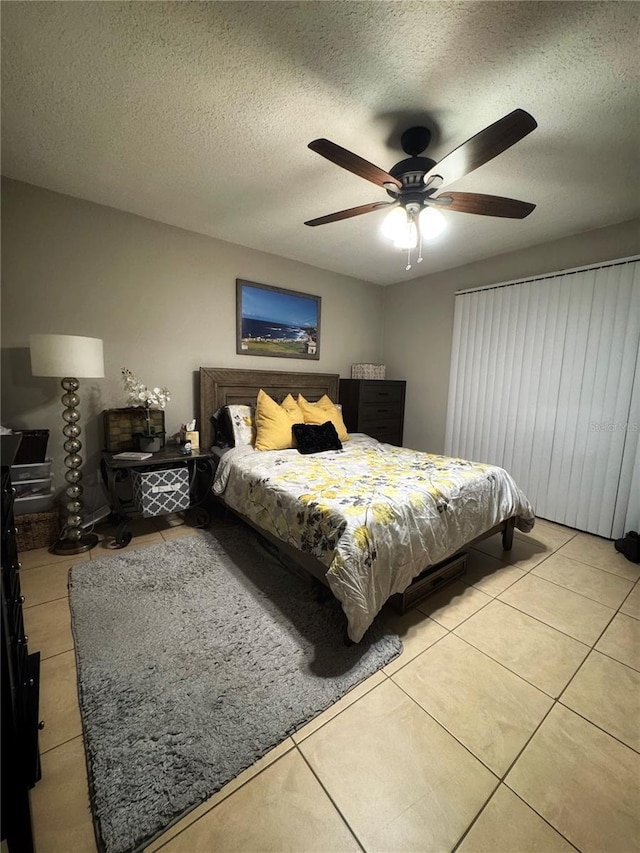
[
  {"x": 600, "y": 553},
  {"x": 493, "y": 711},
  {"x": 138, "y": 526},
  {"x": 44, "y": 583},
  {"x": 507, "y": 825},
  {"x": 607, "y": 693},
  {"x": 539, "y": 654},
  {"x": 106, "y": 546},
  {"x": 548, "y": 534},
  {"x": 222, "y": 794},
  {"x": 282, "y": 809},
  {"x": 339, "y": 706},
  {"x": 621, "y": 640},
  {"x": 43, "y": 557},
  {"x": 454, "y": 603},
  {"x": 524, "y": 554},
  {"x": 174, "y": 519},
  {"x": 59, "y": 701},
  {"x": 567, "y": 611},
  {"x": 60, "y": 802},
  {"x": 601, "y": 586},
  {"x": 488, "y": 574},
  {"x": 400, "y": 780},
  {"x": 583, "y": 781},
  {"x": 417, "y": 632},
  {"x": 48, "y": 627},
  {"x": 631, "y": 606},
  {"x": 170, "y": 533}
]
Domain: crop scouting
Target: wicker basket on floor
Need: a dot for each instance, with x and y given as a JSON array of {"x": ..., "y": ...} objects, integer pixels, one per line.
[{"x": 37, "y": 530}]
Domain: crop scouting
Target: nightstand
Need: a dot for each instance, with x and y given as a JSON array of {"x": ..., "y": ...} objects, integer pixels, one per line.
[{"x": 118, "y": 475}]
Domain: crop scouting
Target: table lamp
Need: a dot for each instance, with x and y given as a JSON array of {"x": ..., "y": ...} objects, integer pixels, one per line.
[{"x": 70, "y": 356}]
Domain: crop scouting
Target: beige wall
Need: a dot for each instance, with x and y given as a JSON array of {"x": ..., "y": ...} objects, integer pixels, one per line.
[
  {"x": 161, "y": 298},
  {"x": 418, "y": 318}
]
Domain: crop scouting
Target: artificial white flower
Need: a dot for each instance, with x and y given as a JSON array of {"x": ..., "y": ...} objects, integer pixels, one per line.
[{"x": 140, "y": 394}]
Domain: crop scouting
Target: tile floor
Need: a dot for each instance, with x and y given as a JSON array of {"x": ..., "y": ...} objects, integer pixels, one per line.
[{"x": 511, "y": 722}]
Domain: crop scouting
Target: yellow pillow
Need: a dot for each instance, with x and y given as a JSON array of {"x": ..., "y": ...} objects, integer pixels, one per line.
[
  {"x": 292, "y": 409},
  {"x": 321, "y": 412},
  {"x": 273, "y": 423}
]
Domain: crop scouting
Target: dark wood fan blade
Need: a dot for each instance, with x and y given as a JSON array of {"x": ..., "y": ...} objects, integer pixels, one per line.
[
  {"x": 352, "y": 211},
  {"x": 485, "y": 205},
  {"x": 484, "y": 146},
  {"x": 352, "y": 163}
]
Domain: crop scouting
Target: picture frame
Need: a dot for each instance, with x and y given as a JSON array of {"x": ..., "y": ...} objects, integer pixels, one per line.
[{"x": 272, "y": 321}]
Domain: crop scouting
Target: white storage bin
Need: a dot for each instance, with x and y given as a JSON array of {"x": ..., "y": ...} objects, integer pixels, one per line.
[
  {"x": 31, "y": 471},
  {"x": 31, "y": 488},
  {"x": 37, "y": 503}
]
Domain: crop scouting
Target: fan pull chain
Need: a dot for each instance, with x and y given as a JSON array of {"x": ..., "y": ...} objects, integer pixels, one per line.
[
  {"x": 409, "y": 224},
  {"x": 420, "y": 243}
]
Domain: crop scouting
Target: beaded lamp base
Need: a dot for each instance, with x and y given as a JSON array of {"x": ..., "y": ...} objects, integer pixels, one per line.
[{"x": 69, "y": 546}]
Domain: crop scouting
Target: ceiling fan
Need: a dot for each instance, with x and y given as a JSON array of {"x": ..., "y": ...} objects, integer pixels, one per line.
[{"x": 413, "y": 182}]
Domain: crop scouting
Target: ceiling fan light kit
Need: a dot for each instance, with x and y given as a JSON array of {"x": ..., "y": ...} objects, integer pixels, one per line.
[{"x": 413, "y": 182}]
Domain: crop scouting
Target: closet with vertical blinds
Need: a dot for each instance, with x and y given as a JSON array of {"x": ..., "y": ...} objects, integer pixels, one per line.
[{"x": 545, "y": 382}]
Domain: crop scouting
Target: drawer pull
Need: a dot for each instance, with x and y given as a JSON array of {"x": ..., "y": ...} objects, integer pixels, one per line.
[
  {"x": 22, "y": 641},
  {"x": 41, "y": 725},
  {"x": 20, "y": 599}
]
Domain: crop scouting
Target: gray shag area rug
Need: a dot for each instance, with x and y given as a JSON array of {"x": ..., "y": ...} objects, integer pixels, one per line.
[{"x": 195, "y": 657}]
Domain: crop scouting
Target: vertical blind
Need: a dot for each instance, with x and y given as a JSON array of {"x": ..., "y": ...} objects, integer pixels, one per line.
[{"x": 545, "y": 382}]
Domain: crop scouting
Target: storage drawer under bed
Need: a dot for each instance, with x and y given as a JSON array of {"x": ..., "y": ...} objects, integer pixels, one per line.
[{"x": 429, "y": 581}]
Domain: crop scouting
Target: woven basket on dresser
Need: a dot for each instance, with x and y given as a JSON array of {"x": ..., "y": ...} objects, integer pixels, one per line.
[
  {"x": 368, "y": 371},
  {"x": 37, "y": 530}
]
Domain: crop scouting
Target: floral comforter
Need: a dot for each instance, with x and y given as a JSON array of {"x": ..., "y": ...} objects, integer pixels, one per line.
[{"x": 374, "y": 514}]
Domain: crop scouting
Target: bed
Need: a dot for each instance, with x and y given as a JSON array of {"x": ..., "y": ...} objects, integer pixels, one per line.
[{"x": 366, "y": 521}]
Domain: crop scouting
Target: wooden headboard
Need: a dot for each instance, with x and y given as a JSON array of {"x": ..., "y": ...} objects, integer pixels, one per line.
[{"x": 220, "y": 386}]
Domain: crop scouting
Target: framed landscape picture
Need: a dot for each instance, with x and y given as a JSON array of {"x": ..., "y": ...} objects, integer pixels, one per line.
[{"x": 276, "y": 322}]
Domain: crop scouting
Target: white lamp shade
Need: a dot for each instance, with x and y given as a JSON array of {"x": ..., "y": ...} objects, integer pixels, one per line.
[
  {"x": 408, "y": 239},
  {"x": 66, "y": 355},
  {"x": 432, "y": 223},
  {"x": 395, "y": 223}
]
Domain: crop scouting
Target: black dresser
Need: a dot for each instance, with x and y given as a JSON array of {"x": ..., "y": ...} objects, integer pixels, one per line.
[
  {"x": 20, "y": 691},
  {"x": 374, "y": 406}
]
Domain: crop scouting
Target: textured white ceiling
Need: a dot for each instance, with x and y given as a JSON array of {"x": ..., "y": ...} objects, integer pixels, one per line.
[{"x": 199, "y": 115}]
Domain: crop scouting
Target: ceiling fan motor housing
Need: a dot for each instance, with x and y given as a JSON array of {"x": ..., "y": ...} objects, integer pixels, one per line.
[{"x": 411, "y": 172}]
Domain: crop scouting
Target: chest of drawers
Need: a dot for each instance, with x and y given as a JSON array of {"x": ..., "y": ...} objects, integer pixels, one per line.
[
  {"x": 20, "y": 690},
  {"x": 374, "y": 406}
]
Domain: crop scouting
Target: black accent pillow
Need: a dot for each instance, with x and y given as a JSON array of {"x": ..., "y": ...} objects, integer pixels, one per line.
[
  {"x": 222, "y": 428},
  {"x": 316, "y": 438}
]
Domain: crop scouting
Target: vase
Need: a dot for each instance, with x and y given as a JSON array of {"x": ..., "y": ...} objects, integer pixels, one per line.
[{"x": 149, "y": 445}]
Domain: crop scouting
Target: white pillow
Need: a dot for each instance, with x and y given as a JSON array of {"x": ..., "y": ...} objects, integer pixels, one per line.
[{"x": 242, "y": 423}]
